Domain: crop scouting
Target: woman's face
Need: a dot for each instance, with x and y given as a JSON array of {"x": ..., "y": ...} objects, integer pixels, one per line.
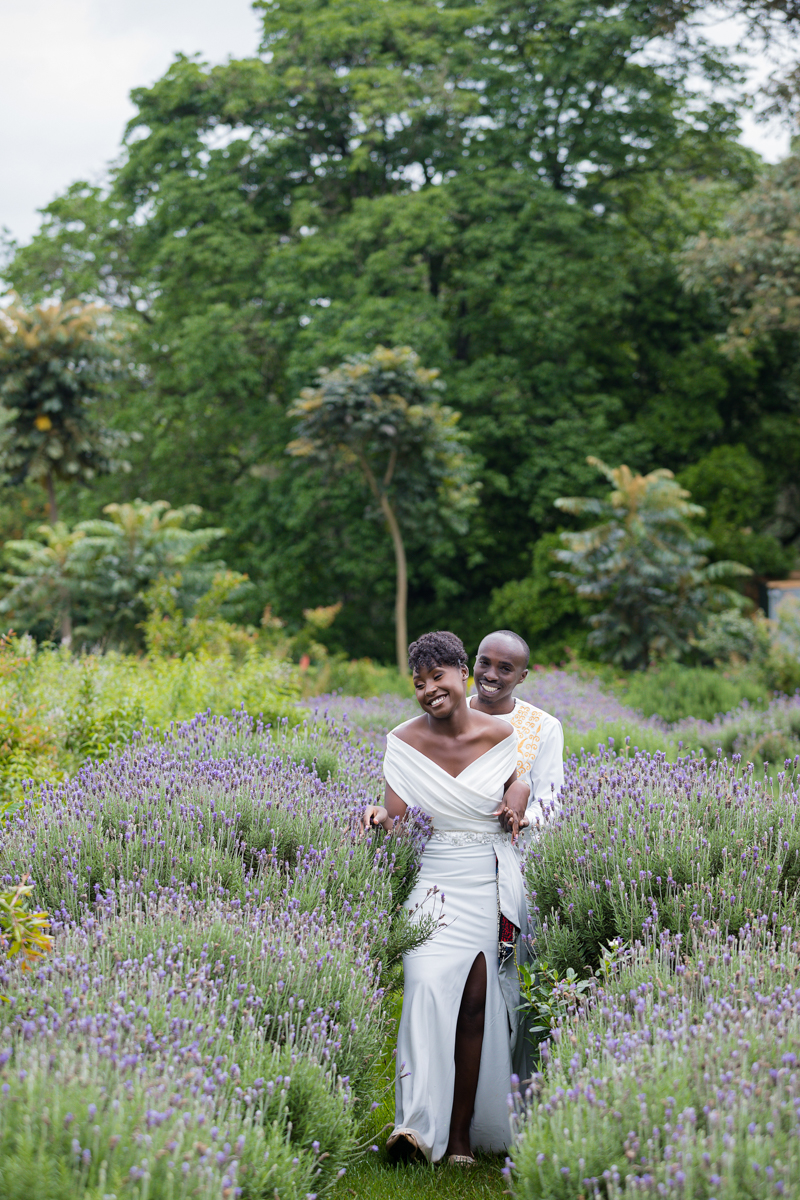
[{"x": 440, "y": 690}]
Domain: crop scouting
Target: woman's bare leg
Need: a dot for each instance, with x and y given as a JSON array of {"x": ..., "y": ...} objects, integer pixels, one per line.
[{"x": 469, "y": 1044}]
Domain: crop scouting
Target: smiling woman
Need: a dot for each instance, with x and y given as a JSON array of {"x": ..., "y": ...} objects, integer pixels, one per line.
[{"x": 459, "y": 1026}]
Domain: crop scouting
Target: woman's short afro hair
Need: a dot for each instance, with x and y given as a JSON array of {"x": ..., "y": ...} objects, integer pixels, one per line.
[{"x": 439, "y": 649}]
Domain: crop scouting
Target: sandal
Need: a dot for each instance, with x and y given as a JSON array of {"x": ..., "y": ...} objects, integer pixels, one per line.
[{"x": 461, "y": 1160}]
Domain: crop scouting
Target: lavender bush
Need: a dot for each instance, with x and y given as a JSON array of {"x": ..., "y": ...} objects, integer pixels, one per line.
[
  {"x": 209, "y": 1021},
  {"x": 640, "y": 844},
  {"x": 682, "y": 1078},
  {"x": 756, "y": 735}
]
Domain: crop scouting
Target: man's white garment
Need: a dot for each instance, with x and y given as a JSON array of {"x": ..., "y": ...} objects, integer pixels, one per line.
[
  {"x": 540, "y": 757},
  {"x": 468, "y": 868}
]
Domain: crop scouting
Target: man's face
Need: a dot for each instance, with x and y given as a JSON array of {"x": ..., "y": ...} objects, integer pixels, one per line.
[{"x": 499, "y": 667}]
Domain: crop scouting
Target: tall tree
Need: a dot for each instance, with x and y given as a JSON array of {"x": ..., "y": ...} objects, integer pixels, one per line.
[
  {"x": 54, "y": 366},
  {"x": 379, "y": 413},
  {"x": 503, "y": 186}
]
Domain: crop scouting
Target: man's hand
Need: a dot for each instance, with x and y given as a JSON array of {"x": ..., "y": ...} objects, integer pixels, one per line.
[{"x": 374, "y": 815}]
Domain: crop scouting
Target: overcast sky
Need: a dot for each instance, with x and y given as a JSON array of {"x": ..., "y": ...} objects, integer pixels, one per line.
[{"x": 67, "y": 67}]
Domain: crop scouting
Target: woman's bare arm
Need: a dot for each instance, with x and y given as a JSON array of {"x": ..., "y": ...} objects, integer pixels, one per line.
[{"x": 392, "y": 809}]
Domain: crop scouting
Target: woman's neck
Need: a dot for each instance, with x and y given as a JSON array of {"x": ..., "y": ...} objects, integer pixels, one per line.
[{"x": 453, "y": 726}]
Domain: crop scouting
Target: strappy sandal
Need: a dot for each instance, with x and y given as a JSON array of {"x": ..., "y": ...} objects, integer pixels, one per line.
[{"x": 461, "y": 1160}]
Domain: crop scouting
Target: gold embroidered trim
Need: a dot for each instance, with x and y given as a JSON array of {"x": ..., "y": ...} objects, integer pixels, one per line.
[{"x": 527, "y": 721}]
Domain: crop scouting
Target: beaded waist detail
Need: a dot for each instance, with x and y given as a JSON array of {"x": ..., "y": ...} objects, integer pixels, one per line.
[{"x": 457, "y": 838}]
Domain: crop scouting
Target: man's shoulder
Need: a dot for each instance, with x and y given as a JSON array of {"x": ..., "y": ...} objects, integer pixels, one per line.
[{"x": 525, "y": 711}]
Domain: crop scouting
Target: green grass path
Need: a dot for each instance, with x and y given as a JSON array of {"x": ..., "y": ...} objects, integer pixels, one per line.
[{"x": 378, "y": 1180}]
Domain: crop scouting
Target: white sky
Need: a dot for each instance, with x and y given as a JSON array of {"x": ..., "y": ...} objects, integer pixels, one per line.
[{"x": 67, "y": 67}]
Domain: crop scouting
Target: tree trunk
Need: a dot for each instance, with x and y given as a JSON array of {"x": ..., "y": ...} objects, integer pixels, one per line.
[
  {"x": 401, "y": 587},
  {"x": 66, "y": 621},
  {"x": 52, "y": 507}
]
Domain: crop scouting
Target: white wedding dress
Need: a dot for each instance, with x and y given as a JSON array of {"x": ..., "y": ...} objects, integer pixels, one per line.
[{"x": 476, "y": 871}]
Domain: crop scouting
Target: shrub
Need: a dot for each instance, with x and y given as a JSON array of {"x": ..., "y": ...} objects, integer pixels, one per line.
[
  {"x": 771, "y": 736},
  {"x": 27, "y": 751},
  {"x": 92, "y": 730},
  {"x": 674, "y": 692},
  {"x": 213, "y": 1011},
  {"x": 642, "y": 844},
  {"x": 683, "y": 1078}
]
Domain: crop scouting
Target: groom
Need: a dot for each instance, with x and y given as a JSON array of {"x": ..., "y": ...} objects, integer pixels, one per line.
[{"x": 500, "y": 665}]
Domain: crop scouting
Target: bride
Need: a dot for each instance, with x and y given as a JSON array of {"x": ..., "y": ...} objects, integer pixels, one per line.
[{"x": 456, "y": 1031}]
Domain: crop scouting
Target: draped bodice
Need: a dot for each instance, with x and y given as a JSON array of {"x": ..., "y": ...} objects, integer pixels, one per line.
[
  {"x": 463, "y": 803},
  {"x": 462, "y": 807}
]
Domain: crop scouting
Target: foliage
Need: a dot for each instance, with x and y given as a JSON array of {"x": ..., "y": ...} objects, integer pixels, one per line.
[
  {"x": 55, "y": 363},
  {"x": 642, "y": 845},
  {"x": 100, "y": 570},
  {"x": 739, "y": 502},
  {"x": 123, "y": 555},
  {"x": 394, "y": 175},
  {"x": 27, "y": 747},
  {"x": 378, "y": 413},
  {"x": 729, "y": 636},
  {"x": 27, "y": 751},
  {"x": 44, "y": 580},
  {"x": 550, "y": 996},
  {"x": 753, "y": 263},
  {"x": 645, "y": 564},
  {"x": 92, "y": 729},
  {"x": 673, "y": 691},
  {"x": 265, "y": 958},
  {"x": 681, "y": 1077},
  {"x": 57, "y": 710},
  {"x": 168, "y": 631},
  {"x": 23, "y": 931},
  {"x": 543, "y": 609},
  {"x": 357, "y": 677}
]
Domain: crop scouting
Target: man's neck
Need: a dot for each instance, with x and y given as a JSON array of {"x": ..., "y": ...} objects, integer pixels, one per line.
[{"x": 501, "y": 709}]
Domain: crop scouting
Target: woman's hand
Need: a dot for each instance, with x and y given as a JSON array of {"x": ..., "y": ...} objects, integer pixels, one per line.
[
  {"x": 376, "y": 814},
  {"x": 511, "y": 813}
]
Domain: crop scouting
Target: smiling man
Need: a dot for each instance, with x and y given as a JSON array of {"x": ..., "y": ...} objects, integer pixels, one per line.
[{"x": 500, "y": 665}]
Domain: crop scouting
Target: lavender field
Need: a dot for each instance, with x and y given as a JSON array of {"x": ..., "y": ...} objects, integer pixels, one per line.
[
  {"x": 591, "y": 714},
  {"x": 215, "y": 1018}
]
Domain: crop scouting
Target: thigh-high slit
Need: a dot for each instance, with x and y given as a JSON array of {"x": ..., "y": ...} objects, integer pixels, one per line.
[{"x": 435, "y": 976}]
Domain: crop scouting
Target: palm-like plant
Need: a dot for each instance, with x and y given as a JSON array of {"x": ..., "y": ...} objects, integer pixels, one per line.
[
  {"x": 44, "y": 578},
  {"x": 102, "y": 568},
  {"x": 645, "y": 564},
  {"x": 56, "y": 361}
]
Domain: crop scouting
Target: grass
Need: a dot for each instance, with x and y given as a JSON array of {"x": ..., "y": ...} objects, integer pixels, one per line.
[{"x": 379, "y": 1180}]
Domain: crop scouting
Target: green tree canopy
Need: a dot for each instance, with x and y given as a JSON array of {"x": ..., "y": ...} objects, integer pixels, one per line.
[
  {"x": 379, "y": 413},
  {"x": 505, "y": 187}
]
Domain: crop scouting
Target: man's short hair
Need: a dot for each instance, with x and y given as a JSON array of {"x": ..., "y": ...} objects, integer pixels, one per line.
[
  {"x": 439, "y": 649},
  {"x": 510, "y": 633}
]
